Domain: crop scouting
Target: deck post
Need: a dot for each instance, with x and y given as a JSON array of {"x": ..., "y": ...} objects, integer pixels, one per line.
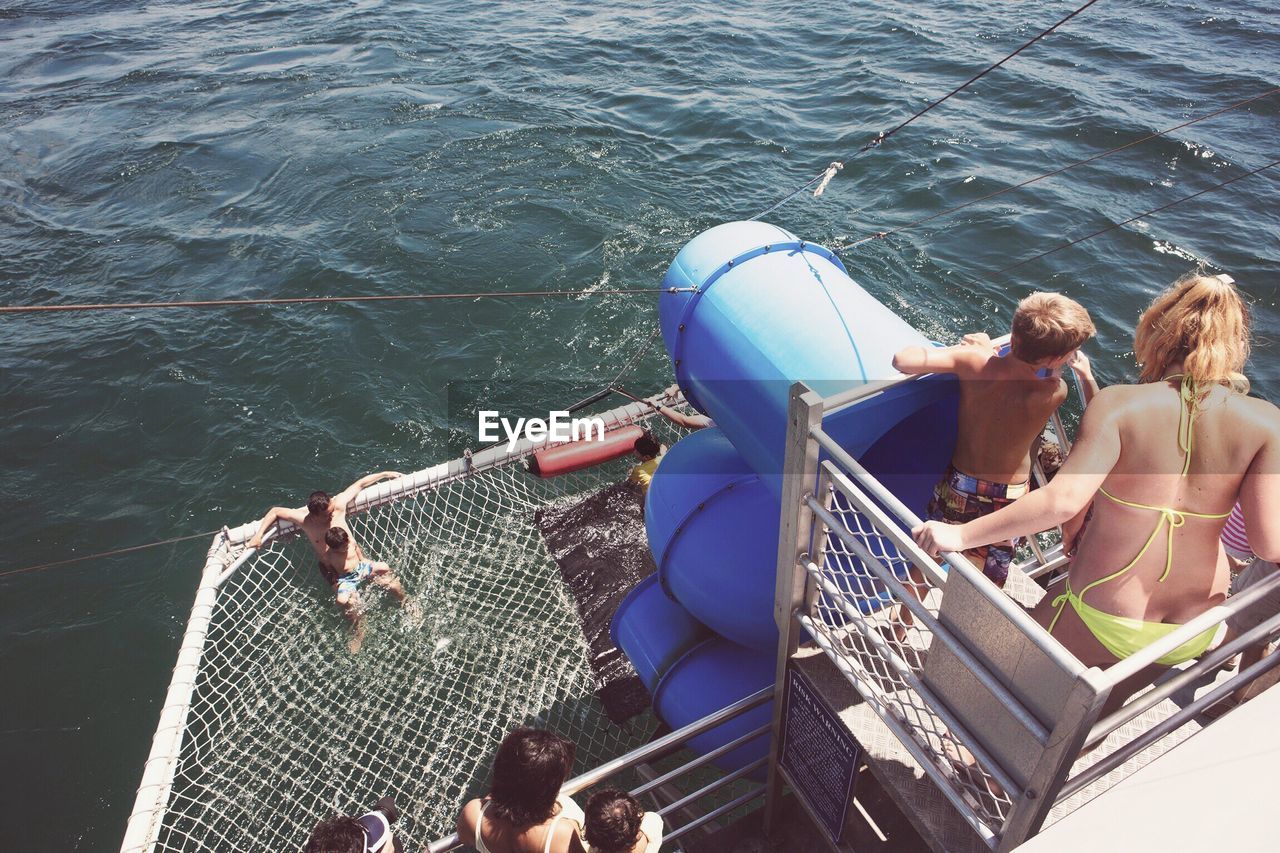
[
  {"x": 1083, "y": 705},
  {"x": 799, "y": 477}
]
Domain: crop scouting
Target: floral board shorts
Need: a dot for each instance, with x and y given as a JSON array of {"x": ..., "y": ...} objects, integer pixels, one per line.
[{"x": 959, "y": 497}]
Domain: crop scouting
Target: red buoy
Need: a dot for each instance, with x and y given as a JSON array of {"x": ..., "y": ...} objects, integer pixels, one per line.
[{"x": 566, "y": 458}]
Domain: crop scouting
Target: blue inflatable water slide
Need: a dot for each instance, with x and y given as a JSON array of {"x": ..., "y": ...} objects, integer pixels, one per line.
[{"x": 756, "y": 310}]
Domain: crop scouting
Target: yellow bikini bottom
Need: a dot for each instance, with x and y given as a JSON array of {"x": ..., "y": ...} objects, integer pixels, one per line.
[{"x": 1122, "y": 636}]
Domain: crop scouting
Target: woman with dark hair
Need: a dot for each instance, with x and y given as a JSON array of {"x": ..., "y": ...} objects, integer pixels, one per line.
[
  {"x": 523, "y": 811},
  {"x": 1166, "y": 459}
]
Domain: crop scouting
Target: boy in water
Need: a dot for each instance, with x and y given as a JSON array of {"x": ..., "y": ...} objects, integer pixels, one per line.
[
  {"x": 341, "y": 561},
  {"x": 1004, "y": 405}
]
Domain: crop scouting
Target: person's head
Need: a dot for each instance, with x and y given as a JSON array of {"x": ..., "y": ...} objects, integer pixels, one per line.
[
  {"x": 318, "y": 503},
  {"x": 1048, "y": 328},
  {"x": 528, "y": 771},
  {"x": 336, "y": 538},
  {"x": 337, "y": 835},
  {"x": 612, "y": 822},
  {"x": 647, "y": 447},
  {"x": 1201, "y": 322}
]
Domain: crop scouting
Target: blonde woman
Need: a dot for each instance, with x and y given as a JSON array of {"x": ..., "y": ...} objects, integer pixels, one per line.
[{"x": 1166, "y": 459}]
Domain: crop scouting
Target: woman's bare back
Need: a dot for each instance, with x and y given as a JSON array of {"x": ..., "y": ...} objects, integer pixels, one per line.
[{"x": 1229, "y": 430}]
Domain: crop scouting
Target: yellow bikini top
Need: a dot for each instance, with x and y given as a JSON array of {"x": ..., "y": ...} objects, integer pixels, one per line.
[{"x": 1175, "y": 518}]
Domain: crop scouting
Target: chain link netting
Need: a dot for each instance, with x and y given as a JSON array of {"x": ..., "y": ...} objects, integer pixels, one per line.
[
  {"x": 287, "y": 728},
  {"x": 885, "y": 647}
]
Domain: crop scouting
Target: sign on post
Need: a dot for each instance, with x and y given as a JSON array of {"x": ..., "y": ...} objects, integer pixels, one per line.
[{"x": 818, "y": 754}]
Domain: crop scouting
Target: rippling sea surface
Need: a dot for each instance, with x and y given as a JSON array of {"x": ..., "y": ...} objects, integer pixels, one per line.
[{"x": 198, "y": 150}]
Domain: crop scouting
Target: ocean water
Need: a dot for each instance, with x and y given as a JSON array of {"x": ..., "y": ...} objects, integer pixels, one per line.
[{"x": 196, "y": 150}]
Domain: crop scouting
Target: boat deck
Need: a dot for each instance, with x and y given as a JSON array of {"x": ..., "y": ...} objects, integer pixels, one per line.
[{"x": 918, "y": 797}]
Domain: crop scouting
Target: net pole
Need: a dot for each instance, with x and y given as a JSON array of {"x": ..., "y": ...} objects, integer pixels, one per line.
[{"x": 158, "y": 773}]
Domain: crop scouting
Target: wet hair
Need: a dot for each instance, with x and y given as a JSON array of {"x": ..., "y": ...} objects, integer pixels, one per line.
[
  {"x": 1048, "y": 326},
  {"x": 337, "y": 835},
  {"x": 318, "y": 503},
  {"x": 528, "y": 771},
  {"x": 1201, "y": 321},
  {"x": 612, "y": 822},
  {"x": 648, "y": 446},
  {"x": 336, "y": 537}
]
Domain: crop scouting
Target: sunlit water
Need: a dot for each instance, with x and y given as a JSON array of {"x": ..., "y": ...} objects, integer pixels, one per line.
[{"x": 164, "y": 150}]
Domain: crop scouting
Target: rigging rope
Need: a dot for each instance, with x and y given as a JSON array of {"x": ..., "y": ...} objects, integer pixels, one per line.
[
  {"x": 653, "y": 336},
  {"x": 307, "y": 300},
  {"x": 635, "y": 357},
  {"x": 42, "y": 566},
  {"x": 880, "y": 235},
  {"x": 1135, "y": 218},
  {"x": 827, "y": 174},
  {"x": 606, "y": 390}
]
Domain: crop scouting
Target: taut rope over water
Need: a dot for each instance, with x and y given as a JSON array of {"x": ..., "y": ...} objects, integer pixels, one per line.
[
  {"x": 310, "y": 300},
  {"x": 880, "y": 235},
  {"x": 826, "y": 175},
  {"x": 1136, "y": 218}
]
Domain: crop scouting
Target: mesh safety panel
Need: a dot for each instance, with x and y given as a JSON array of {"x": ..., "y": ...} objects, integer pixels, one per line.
[
  {"x": 887, "y": 654},
  {"x": 287, "y": 728}
]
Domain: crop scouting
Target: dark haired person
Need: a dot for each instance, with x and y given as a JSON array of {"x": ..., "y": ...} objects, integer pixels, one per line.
[
  {"x": 342, "y": 562},
  {"x": 650, "y": 452},
  {"x": 615, "y": 823},
  {"x": 369, "y": 833},
  {"x": 524, "y": 811}
]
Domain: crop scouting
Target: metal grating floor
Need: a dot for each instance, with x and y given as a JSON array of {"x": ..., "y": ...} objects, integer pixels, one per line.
[{"x": 937, "y": 821}]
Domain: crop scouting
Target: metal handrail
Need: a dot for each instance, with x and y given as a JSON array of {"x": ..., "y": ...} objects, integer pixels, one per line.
[
  {"x": 712, "y": 787},
  {"x": 1148, "y": 655},
  {"x": 1142, "y": 741},
  {"x": 858, "y": 393},
  {"x": 698, "y": 823},
  {"x": 957, "y": 728},
  {"x": 939, "y": 631},
  {"x": 1006, "y": 606},
  {"x": 705, "y": 758},
  {"x": 650, "y": 751},
  {"x": 924, "y": 759}
]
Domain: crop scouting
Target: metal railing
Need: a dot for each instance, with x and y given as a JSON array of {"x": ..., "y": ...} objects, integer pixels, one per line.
[
  {"x": 940, "y": 654},
  {"x": 662, "y": 747}
]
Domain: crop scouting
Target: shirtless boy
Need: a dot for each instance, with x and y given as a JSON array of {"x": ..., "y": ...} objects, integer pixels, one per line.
[
  {"x": 343, "y": 564},
  {"x": 1004, "y": 405}
]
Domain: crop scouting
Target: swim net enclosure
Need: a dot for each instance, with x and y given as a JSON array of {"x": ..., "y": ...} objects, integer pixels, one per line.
[{"x": 270, "y": 725}]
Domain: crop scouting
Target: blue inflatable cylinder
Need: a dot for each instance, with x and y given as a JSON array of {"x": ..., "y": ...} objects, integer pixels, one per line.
[
  {"x": 710, "y": 676},
  {"x": 767, "y": 310},
  {"x": 653, "y": 631},
  {"x": 713, "y": 529}
]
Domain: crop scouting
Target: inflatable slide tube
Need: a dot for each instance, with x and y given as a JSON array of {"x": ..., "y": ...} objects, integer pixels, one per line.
[
  {"x": 713, "y": 528},
  {"x": 566, "y": 458},
  {"x": 769, "y": 310},
  {"x": 653, "y": 631},
  {"x": 711, "y": 675}
]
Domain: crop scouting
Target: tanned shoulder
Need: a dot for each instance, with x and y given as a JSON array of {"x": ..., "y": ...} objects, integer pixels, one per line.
[
  {"x": 971, "y": 360},
  {"x": 1263, "y": 413}
]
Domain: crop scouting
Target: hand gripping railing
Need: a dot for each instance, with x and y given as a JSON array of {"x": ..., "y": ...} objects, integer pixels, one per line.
[
  {"x": 870, "y": 527},
  {"x": 661, "y": 747}
]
